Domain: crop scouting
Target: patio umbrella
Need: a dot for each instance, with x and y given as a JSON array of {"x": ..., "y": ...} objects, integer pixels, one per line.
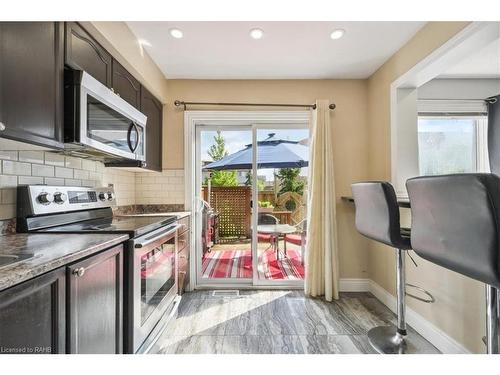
[{"x": 271, "y": 153}]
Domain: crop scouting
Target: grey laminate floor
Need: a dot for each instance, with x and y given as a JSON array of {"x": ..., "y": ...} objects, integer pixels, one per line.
[{"x": 277, "y": 322}]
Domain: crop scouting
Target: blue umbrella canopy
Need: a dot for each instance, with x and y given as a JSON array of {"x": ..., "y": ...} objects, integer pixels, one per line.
[{"x": 271, "y": 153}]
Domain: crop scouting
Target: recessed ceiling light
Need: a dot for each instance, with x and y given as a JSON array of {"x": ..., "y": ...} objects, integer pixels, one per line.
[
  {"x": 176, "y": 33},
  {"x": 256, "y": 33},
  {"x": 337, "y": 34}
]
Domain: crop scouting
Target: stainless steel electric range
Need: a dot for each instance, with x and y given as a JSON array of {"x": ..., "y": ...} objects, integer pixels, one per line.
[{"x": 151, "y": 264}]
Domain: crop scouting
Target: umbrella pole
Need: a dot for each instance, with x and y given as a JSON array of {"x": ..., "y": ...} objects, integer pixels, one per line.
[
  {"x": 209, "y": 188},
  {"x": 275, "y": 187}
]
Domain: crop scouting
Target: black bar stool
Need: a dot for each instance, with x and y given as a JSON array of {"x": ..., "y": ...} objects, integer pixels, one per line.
[
  {"x": 456, "y": 224},
  {"x": 377, "y": 217}
]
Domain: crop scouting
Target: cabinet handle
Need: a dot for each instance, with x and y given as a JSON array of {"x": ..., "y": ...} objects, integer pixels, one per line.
[
  {"x": 2, "y": 126},
  {"x": 182, "y": 272},
  {"x": 79, "y": 272}
]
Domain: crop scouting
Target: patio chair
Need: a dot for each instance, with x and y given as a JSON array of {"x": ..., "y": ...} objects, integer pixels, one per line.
[
  {"x": 298, "y": 238},
  {"x": 267, "y": 219}
]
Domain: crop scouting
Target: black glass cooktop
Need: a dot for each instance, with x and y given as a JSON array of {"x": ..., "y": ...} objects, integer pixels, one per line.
[{"x": 134, "y": 226}]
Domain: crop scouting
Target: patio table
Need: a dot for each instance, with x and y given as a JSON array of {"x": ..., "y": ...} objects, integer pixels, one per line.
[{"x": 276, "y": 230}]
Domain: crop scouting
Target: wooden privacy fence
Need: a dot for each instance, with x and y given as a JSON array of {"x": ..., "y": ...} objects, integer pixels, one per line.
[
  {"x": 294, "y": 203},
  {"x": 233, "y": 205},
  {"x": 267, "y": 195}
]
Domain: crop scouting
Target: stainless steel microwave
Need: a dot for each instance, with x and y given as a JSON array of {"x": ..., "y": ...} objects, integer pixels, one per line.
[{"x": 100, "y": 124}]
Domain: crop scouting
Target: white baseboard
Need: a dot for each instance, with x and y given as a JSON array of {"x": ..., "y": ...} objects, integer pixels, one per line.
[
  {"x": 354, "y": 285},
  {"x": 429, "y": 331}
]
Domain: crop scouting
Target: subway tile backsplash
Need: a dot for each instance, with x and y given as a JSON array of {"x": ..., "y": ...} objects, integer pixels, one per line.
[
  {"x": 40, "y": 167},
  {"x": 165, "y": 187}
]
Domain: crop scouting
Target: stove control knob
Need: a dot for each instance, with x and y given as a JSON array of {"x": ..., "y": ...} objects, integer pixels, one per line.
[
  {"x": 45, "y": 198},
  {"x": 102, "y": 196},
  {"x": 59, "y": 197},
  {"x": 111, "y": 196}
]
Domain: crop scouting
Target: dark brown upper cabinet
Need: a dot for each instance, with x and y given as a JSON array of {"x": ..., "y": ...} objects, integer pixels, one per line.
[
  {"x": 84, "y": 53},
  {"x": 31, "y": 82},
  {"x": 153, "y": 109},
  {"x": 125, "y": 85}
]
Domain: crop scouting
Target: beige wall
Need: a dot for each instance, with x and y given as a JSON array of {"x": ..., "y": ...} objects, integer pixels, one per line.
[
  {"x": 350, "y": 136},
  {"x": 459, "y": 310}
]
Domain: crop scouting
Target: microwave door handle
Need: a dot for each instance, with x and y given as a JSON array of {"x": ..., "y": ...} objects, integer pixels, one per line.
[{"x": 129, "y": 133}]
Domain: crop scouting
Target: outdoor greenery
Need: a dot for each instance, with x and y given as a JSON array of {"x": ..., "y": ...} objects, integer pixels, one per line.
[
  {"x": 248, "y": 181},
  {"x": 265, "y": 204},
  {"x": 290, "y": 181},
  {"x": 218, "y": 151}
]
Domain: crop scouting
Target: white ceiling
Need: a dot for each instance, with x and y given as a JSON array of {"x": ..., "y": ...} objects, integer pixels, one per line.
[
  {"x": 288, "y": 50},
  {"x": 485, "y": 63}
]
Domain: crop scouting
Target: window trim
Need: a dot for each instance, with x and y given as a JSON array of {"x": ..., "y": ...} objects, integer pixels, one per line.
[{"x": 452, "y": 107}]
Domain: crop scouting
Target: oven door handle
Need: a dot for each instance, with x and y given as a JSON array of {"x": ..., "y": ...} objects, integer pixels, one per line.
[{"x": 157, "y": 236}]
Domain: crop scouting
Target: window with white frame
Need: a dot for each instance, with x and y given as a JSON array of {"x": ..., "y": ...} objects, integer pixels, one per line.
[{"x": 452, "y": 137}]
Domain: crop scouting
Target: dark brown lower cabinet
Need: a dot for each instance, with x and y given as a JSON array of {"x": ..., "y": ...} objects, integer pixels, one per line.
[
  {"x": 33, "y": 316},
  {"x": 183, "y": 258},
  {"x": 95, "y": 307}
]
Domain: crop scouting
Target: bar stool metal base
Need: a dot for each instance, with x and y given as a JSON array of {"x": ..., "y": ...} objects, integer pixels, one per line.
[{"x": 387, "y": 340}]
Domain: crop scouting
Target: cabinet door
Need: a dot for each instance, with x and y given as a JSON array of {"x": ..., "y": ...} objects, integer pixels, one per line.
[
  {"x": 125, "y": 85},
  {"x": 32, "y": 315},
  {"x": 31, "y": 79},
  {"x": 183, "y": 257},
  {"x": 95, "y": 299},
  {"x": 84, "y": 53},
  {"x": 153, "y": 109}
]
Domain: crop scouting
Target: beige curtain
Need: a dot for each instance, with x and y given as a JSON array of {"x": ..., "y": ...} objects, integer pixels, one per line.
[{"x": 322, "y": 275}]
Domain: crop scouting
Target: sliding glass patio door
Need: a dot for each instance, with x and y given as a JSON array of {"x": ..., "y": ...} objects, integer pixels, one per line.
[
  {"x": 280, "y": 166},
  {"x": 224, "y": 217},
  {"x": 250, "y": 205}
]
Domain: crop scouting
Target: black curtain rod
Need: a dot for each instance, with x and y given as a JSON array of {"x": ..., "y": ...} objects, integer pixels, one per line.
[
  {"x": 490, "y": 100},
  {"x": 179, "y": 103}
]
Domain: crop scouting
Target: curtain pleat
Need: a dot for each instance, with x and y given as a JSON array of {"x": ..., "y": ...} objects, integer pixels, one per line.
[{"x": 322, "y": 274}]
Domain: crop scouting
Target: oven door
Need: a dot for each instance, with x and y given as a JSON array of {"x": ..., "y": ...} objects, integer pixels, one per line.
[
  {"x": 108, "y": 123},
  {"x": 154, "y": 280}
]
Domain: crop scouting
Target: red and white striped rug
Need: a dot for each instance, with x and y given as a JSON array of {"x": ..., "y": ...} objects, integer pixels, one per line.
[{"x": 238, "y": 264}]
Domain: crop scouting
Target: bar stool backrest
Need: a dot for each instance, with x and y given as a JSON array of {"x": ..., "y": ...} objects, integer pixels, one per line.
[
  {"x": 377, "y": 213},
  {"x": 455, "y": 223},
  {"x": 494, "y": 134}
]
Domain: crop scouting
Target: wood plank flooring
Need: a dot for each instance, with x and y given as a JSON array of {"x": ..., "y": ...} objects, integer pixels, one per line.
[{"x": 281, "y": 322}]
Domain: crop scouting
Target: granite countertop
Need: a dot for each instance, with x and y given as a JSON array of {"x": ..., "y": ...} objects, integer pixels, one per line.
[{"x": 50, "y": 251}]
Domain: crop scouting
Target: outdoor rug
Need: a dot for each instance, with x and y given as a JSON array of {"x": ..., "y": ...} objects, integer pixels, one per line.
[{"x": 238, "y": 264}]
